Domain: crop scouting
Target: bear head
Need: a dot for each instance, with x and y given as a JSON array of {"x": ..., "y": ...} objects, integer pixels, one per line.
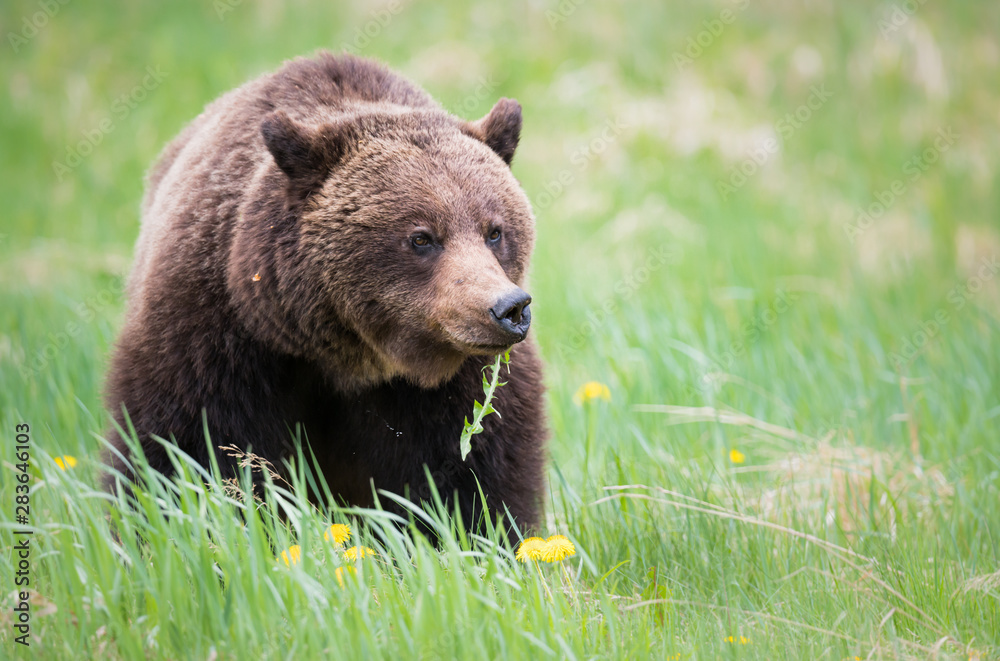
[{"x": 401, "y": 244}]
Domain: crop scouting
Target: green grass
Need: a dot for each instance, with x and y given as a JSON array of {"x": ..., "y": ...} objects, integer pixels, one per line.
[{"x": 865, "y": 518}]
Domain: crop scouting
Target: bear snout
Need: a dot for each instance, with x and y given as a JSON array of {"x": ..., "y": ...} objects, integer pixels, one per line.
[{"x": 512, "y": 313}]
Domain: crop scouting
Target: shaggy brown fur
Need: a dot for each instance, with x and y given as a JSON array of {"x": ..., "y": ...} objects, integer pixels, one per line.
[{"x": 320, "y": 247}]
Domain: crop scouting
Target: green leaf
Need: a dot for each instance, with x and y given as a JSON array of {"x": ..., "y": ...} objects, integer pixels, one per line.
[
  {"x": 480, "y": 411},
  {"x": 465, "y": 442}
]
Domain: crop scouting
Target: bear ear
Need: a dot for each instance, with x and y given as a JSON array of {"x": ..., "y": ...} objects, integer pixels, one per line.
[
  {"x": 304, "y": 153},
  {"x": 500, "y": 129}
]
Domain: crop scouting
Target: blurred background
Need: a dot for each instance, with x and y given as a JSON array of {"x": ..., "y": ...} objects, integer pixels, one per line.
[{"x": 768, "y": 237}]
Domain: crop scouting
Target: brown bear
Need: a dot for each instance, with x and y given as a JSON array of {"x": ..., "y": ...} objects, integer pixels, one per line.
[{"x": 326, "y": 248}]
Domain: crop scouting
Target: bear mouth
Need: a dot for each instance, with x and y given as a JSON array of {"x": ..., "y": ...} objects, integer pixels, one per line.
[
  {"x": 469, "y": 342},
  {"x": 482, "y": 348},
  {"x": 490, "y": 348}
]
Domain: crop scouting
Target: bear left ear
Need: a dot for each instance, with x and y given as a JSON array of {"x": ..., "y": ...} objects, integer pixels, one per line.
[
  {"x": 500, "y": 129},
  {"x": 304, "y": 153}
]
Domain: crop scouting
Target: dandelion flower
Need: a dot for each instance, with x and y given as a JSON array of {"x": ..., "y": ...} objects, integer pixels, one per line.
[
  {"x": 531, "y": 549},
  {"x": 340, "y": 571},
  {"x": 590, "y": 391},
  {"x": 292, "y": 556},
  {"x": 736, "y": 456},
  {"x": 338, "y": 533},
  {"x": 358, "y": 552},
  {"x": 65, "y": 462},
  {"x": 556, "y": 548},
  {"x": 742, "y": 640}
]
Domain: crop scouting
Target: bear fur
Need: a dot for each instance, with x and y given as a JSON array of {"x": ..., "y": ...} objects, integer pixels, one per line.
[{"x": 325, "y": 247}]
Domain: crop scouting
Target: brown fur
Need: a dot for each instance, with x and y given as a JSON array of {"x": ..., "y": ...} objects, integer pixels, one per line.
[{"x": 316, "y": 179}]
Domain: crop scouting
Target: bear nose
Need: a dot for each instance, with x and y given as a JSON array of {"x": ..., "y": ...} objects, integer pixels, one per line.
[{"x": 512, "y": 314}]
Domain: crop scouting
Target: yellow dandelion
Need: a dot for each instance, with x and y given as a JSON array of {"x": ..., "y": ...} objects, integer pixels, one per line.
[
  {"x": 736, "y": 456},
  {"x": 338, "y": 533},
  {"x": 256, "y": 277},
  {"x": 340, "y": 571},
  {"x": 530, "y": 549},
  {"x": 65, "y": 462},
  {"x": 590, "y": 391},
  {"x": 292, "y": 556},
  {"x": 742, "y": 640},
  {"x": 556, "y": 548},
  {"x": 358, "y": 552}
]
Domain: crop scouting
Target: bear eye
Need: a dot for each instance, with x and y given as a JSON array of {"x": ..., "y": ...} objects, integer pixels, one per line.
[
  {"x": 495, "y": 234},
  {"x": 420, "y": 240}
]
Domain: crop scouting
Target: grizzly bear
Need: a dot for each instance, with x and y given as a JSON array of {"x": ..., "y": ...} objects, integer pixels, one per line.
[{"x": 326, "y": 249}]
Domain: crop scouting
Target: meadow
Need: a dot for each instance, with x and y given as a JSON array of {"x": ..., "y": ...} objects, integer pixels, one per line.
[{"x": 768, "y": 238}]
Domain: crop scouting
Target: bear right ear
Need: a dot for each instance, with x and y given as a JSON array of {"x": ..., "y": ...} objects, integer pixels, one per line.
[
  {"x": 304, "y": 153},
  {"x": 500, "y": 129}
]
